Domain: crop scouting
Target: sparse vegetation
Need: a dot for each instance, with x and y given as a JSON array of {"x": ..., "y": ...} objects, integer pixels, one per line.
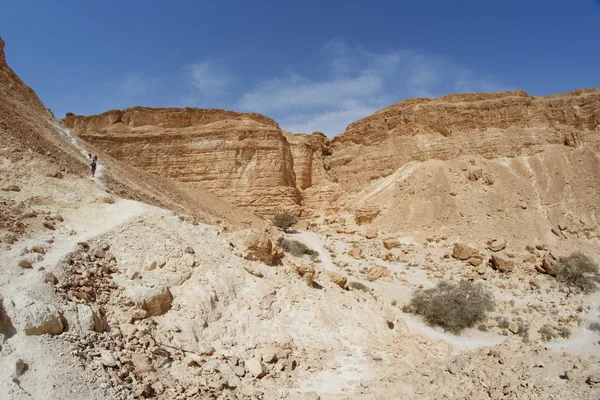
[
  {"x": 294, "y": 247},
  {"x": 284, "y": 221},
  {"x": 550, "y": 332},
  {"x": 579, "y": 271},
  {"x": 594, "y": 326},
  {"x": 358, "y": 286},
  {"x": 453, "y": 306},
  {"x": 326, "y": 151}
]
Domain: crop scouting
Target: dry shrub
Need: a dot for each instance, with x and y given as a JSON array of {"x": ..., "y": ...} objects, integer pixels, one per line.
[
  {"x": 358, "y": 286},
  {"x": 294, "y": 247},
  {"x": 579, "y": 271},
  {"x": 284, "y": 221},
  {"x": 453, "y": 306},
  {"x": 594, "y": 326}
]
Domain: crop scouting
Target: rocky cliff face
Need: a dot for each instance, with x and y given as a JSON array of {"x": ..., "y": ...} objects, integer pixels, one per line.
[
  {"x": 244, "y": 158},
  {"x": 249, "y": 160},
  {"x": 490, "y": 125}
]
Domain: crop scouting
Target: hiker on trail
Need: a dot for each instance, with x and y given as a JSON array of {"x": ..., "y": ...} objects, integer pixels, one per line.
[{"x": 93, "y": 165}]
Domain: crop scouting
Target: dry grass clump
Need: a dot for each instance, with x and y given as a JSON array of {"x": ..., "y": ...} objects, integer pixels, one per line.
[{"x": 453, "y": 306}]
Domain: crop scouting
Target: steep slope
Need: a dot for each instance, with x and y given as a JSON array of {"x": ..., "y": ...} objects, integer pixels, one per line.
[
  {"x": 489, "y": 125},
  {"x": 28, "y": 129}
]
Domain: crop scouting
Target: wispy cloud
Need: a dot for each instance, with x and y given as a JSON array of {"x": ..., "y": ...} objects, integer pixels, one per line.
[
  {"x": 358, "y": 82},
  {"x": 208, "y": 78}
]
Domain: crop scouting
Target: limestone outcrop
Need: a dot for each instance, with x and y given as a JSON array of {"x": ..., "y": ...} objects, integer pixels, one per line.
[{"x": 489, "y": 125}]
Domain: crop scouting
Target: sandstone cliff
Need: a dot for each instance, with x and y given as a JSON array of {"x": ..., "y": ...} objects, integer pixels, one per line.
[
  {"x": 244, "y": 158},
  {"x": 490, "y": 125}
]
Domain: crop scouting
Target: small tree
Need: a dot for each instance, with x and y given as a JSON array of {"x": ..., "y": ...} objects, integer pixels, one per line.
[
  {"x": 284, "y": 221},
  {"x": 579, "y": 271},
  {"x": 453, "y": 306}
]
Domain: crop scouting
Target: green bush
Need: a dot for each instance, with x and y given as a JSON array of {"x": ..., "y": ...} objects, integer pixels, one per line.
[
  {"x": 579, "y": 271},
  {"x": 453, "y": 306},
  {"x": 284, "y": 221}
]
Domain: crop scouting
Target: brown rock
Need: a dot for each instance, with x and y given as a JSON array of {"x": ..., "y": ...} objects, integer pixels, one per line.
[
  {"x": 336, "y": 278},
  {"x": 12, "y": 188},
  {"x": 549, "y": 264},
  {"x": 371, "y": 232},
  {"x": 391, "y": 243},
  {"x": 260, "y": 248},
  {"x": 189, "y": 250},
  {"x": 474, "y": 173},
  {"x": 50, "y": 278},
  {"x": 38, "y": 249},
  {"x": 25, "y": 264},
  {"x": 496, "y": 245},
  {"x": 252, "y": 270},
  {"x": 501, "y": 263},
  {"x": 366, "y": 215},
  {"x": 475, "y": 260},
  {"x": 463, "y": 251},
  {"x": 376, "y": 272},
  {"x": 355, "y": 252}
]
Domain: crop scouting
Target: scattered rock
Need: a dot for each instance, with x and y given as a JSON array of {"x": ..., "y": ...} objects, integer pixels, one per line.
[
  {"x": 355, "y": 252},
  {"x": 32, "y": 316},
  {"x": 239, "y": 371},
  {"x": 376, "y": 272},
  {"x": 49, "y": 225},
  {"x": 366, "y": 215},
  {"x": 155, "y": 300},
  {"x": 260, "y": 248},
  {"x": 501, "y": 264},
  {"x": 50, "y": 278},
  {"x": 38, "y": 249},
  {"x": 12, "y": 188},
  {"x": 496, "y": 245},
  {"x": 336, "y": 278},
  {"x": 475, "y": 260},
  {"x": 474, "y": 173},
  {"x": 90, "y": 318},
  {"x": 255, "y": 367},
  {"x": 463, "y": 251},
  {"x": 9, "y": 238},
  {"x": 391, "y": 243},
  {"x": 253, "y": 270},
  {"x": 548, "y": 265},
  {"x": 25, "y": 264},
  {"x": 107, "y": 359},
  {"x": 311, "y": 396},
  {"x": 371, "y": 232},
  {"x": 189, "y": 250}
]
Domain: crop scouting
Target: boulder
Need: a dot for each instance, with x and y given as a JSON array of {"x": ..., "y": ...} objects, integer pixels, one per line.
[
  {"x": 366, "y": 215},
  {"x": 155, "y": 300},
  {"x": 371, "y": 232},
  {"x": 496, "y": 245},
  {"x": 90, "y": 318},
  {"x": 475, "y": 260},
  {"x": 376, "y": 272},
  {"x": 391, "y": 243},
  {"x": 355, "y": 252},
  {"x": 336, "y": 278},
  {"x": 260, "y": 248},
  {"x": 474, "y": 173},
  {"x": 255, "y": 368},
  {"x": 502, "y": 264},
  {"x": 32, "y": 316},
  {"x": 549, "y": 265},
  {"x": 463, "y": 251}
]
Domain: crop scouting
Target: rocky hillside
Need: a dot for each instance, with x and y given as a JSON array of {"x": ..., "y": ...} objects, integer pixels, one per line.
[{"x": 489, "y": 125}]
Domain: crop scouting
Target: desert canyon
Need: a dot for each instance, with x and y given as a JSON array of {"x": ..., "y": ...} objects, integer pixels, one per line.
[{"x": 164, "y": 277}]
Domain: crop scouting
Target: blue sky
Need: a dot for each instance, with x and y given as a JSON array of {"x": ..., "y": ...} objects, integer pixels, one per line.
[{"x": 311, "y": 65}]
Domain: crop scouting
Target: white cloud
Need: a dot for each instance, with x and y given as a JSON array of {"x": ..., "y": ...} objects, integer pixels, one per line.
[
  {"x": 208, "y": 78},
  {"x": 358, "y": 82},
  {"x": 136, "y": 84}
]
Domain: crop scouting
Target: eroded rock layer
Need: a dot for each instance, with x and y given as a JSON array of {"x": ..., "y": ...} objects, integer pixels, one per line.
[{"x": 490, "y": 125}]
